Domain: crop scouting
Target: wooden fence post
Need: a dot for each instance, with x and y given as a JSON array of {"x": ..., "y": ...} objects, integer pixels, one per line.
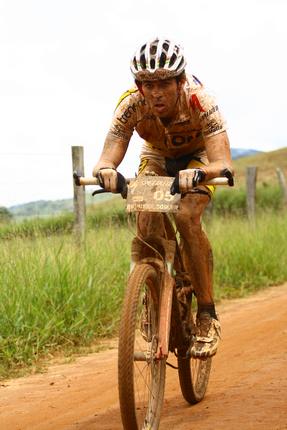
[
  {"x": 79, "y": 195},
  {"x": 283, "y": 184},
  {"x": 251, "y": 176}
]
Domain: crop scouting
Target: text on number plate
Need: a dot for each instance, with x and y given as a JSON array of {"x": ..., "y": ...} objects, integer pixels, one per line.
[{"x": 152, "y": 194}]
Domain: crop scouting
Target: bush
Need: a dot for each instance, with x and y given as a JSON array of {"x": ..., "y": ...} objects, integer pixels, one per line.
[{"x": 232, "y": 201}]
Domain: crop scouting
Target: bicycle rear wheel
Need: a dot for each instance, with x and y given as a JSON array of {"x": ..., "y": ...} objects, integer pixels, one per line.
[
  {"x": 193, "y": 377},
  {"x": 141, "y": 377},
  {"x": 193, "y": 373}
]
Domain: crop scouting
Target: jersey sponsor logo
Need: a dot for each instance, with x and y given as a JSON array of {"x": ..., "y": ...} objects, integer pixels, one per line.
[
  {"x": 212, "y": 127},
  {"x": 117, "y": 131},
  {"x": 195, "y": 103},
  {"x": 178, "y": 140},
  {"x": 210, "y": 112},
  {"x": 130, "y": 110}
]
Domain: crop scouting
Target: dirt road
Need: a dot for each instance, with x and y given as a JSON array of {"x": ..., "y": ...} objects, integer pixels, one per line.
[{"x": 247, "y": 391}]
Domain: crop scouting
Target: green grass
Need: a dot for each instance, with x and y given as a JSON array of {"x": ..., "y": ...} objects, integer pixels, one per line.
[
  {"x": 227, "y": 201},
  {"x": 38, "y": 227},
  {"x": 248, "y": 257},
  {"x": 55, "y": 296},
  {"x": 232, "y": 201},
  {"x": 99, "y": 215}
]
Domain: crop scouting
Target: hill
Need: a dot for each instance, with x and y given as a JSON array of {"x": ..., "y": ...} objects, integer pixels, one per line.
[
  {"x": 267, "y": 162},
  {"x": 45, "y": 208},
  {"x": 241, "y": 152}
]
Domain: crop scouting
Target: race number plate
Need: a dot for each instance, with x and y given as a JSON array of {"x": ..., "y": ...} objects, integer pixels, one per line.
[{"x": 151, "y": 194}]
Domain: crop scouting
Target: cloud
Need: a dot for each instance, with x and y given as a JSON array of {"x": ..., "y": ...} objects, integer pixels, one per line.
[{"x": 65, "y": 63}]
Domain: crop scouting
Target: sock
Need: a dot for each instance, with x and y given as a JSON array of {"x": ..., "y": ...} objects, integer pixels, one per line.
[{"x": 210, "y": 308}]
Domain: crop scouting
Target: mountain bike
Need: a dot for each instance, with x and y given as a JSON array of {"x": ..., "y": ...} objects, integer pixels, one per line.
[{"x": 157, "y": 313}]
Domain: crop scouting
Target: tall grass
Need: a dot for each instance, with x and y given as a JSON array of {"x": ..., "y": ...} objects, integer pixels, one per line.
[
  {"x": 232, "y": 201},
  {"x": 247, "y": 256},
  {"x": 99, "y": 215},
  {"x": 226, "y": 202},
  {"x": 54, "y": 295}
]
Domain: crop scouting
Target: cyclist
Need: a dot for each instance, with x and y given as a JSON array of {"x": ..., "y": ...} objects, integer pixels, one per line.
[{"x": 184, "y": 133}]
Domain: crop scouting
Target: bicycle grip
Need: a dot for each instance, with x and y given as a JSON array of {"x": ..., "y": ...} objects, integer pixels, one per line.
[{"x": 81, "y": 180}]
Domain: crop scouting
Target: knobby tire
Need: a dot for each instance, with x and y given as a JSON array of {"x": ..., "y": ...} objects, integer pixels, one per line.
[
  {"x": 193, "y": 374},
  {"x": 141, "y": 383}
]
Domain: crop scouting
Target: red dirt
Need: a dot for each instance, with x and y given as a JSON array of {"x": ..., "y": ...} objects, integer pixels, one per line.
[{"x": 247, "y": 389}]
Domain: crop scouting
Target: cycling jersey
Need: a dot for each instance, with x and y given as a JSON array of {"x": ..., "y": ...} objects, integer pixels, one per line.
[{"x": 197, "y": 117}]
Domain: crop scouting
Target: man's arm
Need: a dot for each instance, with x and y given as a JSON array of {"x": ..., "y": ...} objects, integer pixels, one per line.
[
  {"x": 117, "y": 141},
  {"x": 112, "y": 155},
  {"x": 113, "y": 152},
  {"x": 218, "y": 154},
  {"x": 216, "y": 142},
  {"x": 219, "y": 157}
]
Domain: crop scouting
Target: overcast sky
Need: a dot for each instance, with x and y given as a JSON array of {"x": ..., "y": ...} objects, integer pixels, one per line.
[{"x": 64, "y": 64}]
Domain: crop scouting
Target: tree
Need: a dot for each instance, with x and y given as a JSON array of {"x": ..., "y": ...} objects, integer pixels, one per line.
[{"x": 5, "y": 215}]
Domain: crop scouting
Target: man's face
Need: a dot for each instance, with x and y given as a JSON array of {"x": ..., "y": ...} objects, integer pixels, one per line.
[{"x": 161, "y": 96}]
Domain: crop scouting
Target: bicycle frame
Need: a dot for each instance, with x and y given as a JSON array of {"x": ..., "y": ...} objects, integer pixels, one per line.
[
  {"x": 144, "y": 252},
  {"x": 157, "y": 314},
  {"x": 162, "y": 202}
]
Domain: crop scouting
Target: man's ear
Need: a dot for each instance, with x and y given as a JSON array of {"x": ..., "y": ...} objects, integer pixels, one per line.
[{"x": 139, "y": 85}]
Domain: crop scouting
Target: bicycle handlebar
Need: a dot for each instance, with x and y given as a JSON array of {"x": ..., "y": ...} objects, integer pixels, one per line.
[{"x": 81, "y": 180}]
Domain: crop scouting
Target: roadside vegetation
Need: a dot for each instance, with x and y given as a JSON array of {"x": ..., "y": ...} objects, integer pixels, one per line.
[
  {"x": 226, "y": 202},
  {"x": 55, "y": 296},
  {"x": 58, "y": 298}
]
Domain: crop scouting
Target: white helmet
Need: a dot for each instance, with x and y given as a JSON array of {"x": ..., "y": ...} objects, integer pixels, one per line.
[{"x": 158, "y": 59}]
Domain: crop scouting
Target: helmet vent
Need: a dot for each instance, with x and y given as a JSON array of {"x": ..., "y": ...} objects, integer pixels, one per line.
[
  {"x": 162, "y": 60},
  {"x": 153, "y": 49},
  {"x": 152, "y": 63},
  {"x": 143, "y": 61},
  {"x": 135, "y": 63},
  {"x": 172, "y": 59},
  {"x": 165, "y": 46},
  {"x": 181, "y": 63}
]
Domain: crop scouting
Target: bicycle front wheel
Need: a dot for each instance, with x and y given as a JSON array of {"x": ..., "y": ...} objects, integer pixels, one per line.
[{"x": 141, "y": 376}]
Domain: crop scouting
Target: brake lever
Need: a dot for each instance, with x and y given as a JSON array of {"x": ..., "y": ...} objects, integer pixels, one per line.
[
  {"x": 228, "y": 174},
  {"x": 174, "y": 189},
  {"x": 121, "y": 187}
]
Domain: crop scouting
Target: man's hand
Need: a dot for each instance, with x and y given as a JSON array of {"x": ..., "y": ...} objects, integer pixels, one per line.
[
  {"x": 108, "y": 178},
  {"x": 190, "y": 178}
]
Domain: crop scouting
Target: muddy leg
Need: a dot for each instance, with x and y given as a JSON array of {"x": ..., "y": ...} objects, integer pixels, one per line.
[{"x": 197, "y": 253}]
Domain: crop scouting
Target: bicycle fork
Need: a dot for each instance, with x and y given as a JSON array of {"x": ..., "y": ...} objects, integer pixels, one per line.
[
  {"x": 165, "y": 315},
  {"x": 165, "y": 267}
]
